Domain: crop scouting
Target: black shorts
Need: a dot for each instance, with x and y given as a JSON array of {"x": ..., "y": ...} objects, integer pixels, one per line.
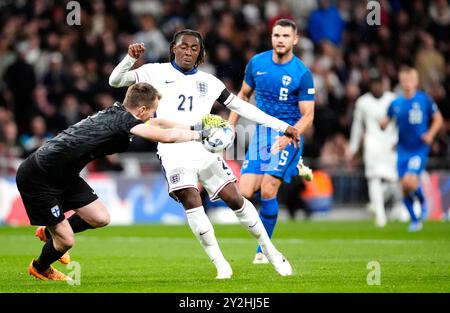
[{"x": 45, "y": 200}]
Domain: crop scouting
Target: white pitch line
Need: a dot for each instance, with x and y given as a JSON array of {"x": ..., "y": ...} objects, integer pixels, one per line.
[{"x": 233, "y": 240}]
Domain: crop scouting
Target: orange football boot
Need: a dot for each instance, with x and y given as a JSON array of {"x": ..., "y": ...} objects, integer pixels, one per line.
[{"x": 49, "y": 274}]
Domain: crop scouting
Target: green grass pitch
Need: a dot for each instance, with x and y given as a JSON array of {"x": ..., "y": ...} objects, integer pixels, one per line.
[{"x": 326, "y": 257}]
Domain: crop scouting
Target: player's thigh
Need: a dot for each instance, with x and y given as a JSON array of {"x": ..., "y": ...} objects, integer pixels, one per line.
[
  {"x": 189, "y": 197},
  {"x": 232, "y": 196},
  {"x": 62, "y": 235},
  {"x": 38, "y": 194},
  {"x": 215, "y": 174},
  {"x": 180, "y": 173},
  {"x": 94, "y": 213},
  {"x": 249, "y": 184}
]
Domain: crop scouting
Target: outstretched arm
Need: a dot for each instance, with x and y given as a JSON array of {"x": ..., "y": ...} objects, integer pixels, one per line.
[
  {"x": 120, "y": 76},
  {"x": 162, "y": 123},
  {"x": 165, "y": 135},
  {"x": 254, "y": 114},
  {"x": 305, "y": 122},
  {"x": 244, "y": 94}
]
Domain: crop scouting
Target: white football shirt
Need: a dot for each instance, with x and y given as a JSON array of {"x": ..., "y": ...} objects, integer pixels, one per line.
[
  {"x": 186, "y": 98},
  {"x": 379, "y": 145}
]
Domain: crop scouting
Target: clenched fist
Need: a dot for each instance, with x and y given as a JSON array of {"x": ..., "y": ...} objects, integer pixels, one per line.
[{"x": 136, "y": 50}]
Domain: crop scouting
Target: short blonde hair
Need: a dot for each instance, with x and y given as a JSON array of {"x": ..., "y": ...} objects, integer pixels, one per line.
[
  {"x": 141, "y": 94},
  {"x": 408, "y": 70}
]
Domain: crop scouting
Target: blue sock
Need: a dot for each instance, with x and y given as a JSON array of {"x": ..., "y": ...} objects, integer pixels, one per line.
[
  {"x": 423, "y": 205},
  {"x": 409, "y": 203},
  {"x": 268, "y": 215},
  {"x": 419, "y": 194}
]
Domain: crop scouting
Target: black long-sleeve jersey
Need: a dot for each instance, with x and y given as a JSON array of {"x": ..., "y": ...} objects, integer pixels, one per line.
[{"x": 103, "y": 133}]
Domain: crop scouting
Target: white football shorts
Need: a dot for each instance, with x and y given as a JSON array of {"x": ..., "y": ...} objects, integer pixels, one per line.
[{"x": 210, "y": 170}]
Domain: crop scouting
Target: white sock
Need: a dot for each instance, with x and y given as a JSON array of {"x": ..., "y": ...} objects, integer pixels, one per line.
[
  {"x": 249, "y": 218},
  {"x": 377, "y": 198},
  {"x": 202, "y": 228}
]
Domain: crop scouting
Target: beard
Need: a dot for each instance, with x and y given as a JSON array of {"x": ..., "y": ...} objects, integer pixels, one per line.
[{"x": 281, "y": 52}]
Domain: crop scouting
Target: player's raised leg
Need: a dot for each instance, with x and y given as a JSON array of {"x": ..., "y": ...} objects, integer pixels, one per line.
[
  {"x": 98, "y": 212},
  {"x": 62, "y": 240},
  {"x": 203, "y": 230},
  {"x": 248, "y": 217}
]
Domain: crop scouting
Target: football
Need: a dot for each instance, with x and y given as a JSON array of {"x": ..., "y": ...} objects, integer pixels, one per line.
[{"x": 220, "y": 140}]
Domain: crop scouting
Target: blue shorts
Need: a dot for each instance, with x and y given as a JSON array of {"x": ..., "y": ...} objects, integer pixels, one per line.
[
  {"x": 411, "y": 162},
  {"x": 259, "y": 160}
]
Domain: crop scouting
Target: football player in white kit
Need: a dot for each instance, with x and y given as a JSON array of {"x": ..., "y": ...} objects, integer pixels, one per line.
[
  {"x": 379, "y": 153},
  {"x": 187, "y": 95}
]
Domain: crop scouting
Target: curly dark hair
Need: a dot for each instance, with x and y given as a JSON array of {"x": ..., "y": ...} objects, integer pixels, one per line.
[{"x": 177, "y": 35}]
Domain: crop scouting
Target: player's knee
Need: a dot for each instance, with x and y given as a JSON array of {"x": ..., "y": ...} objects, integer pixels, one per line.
[
  {"x": 64, "y": 243},
  {"x": 268, "y": 190},
  {"x": 102, "y": 220},
  {"x": 409, "y": 184}
]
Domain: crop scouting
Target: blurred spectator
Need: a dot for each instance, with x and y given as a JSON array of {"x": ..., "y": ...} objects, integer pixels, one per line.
[
  {"x": 56, "y": 80},
  {"x": 333, "y": 153},
  {"x": 430, "y": 63},
  {"x": 38, "y": 135},
  {"x": 9, "y": 142},
  {"x": 20, "y": 79},
  {"x": 55, "y": 122},
  {"x": 156, "y": 45},
  {"x": 71, "y": 109},
  {"x": 326, "y": 23}
]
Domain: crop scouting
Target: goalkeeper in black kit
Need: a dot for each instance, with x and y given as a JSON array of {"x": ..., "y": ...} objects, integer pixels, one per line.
[{"x": 49, "y": 181}]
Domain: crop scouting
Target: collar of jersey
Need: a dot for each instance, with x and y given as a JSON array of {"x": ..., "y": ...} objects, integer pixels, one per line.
[
  {"x": 190, "y": 72},
  {"x": 278, "y": 64}
]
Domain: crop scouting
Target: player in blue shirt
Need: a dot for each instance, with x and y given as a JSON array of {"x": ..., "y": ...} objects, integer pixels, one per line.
[
  {"x": 284, "y": 89},
  {"x": 418, "y": 120}
]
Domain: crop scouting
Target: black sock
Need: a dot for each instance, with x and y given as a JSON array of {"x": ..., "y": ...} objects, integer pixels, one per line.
[
  {"x": 48, "y": 255},
  {"x": 47, "y": 233},
  {"x": 77, "y": 224}
]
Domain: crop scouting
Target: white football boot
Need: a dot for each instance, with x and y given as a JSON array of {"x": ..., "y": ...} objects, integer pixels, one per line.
[
  {"x": 279, "y": 262},
  {"x": 304, "y": 171},
  {"x": 224, "y": 270}
]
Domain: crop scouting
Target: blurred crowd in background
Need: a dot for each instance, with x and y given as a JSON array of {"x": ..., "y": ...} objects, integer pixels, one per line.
[{"x": 52, "y": 74}]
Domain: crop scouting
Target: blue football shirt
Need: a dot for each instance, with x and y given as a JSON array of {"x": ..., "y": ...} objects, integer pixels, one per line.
[
  {"x": 279, "y": 87},
  {"x": 412, "y": 117}
]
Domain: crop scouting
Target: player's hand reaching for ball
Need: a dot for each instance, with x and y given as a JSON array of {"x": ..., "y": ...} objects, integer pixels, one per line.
[{"x": 136, "y": 50}]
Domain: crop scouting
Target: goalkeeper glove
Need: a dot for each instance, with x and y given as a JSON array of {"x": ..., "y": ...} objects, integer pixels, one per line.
[{"x": 210, "y": 121}]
